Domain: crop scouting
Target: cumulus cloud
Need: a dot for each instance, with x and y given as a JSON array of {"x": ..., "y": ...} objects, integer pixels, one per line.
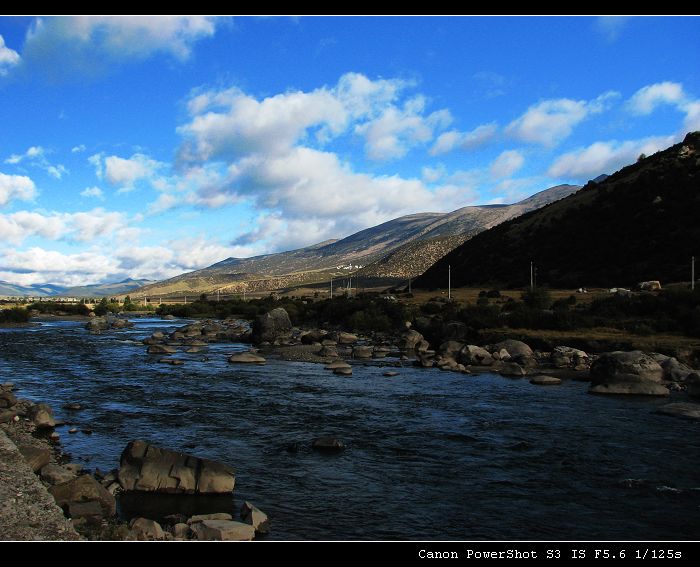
[
  {"x": 452, "y": 139},
  {"x": 611, "y": 26},
  {"x": 551, "y": 121},
  {"x": 36, "y": 157},
  {"x": 125, "y": 172},
  {"x": 507, "y": 164},
  {"x": 91, "y": 43},
  {"x": 93, "y": 192},
  {"x": 78, "y": 149},
  {"x": 396, "y": 130},
  {"x": 84, "y": 226},
  {"x": 605, "y": 157},
  {"x": 18, "y": 187},
  {"x": 8, "y": 58},
  {"x": 649, "y": 98}
]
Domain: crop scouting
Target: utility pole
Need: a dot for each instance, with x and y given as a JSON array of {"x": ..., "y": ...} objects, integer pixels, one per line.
[
  {"x": 692, "y": 273},
  {"x": 331, "y": 287},
  {"x": 185, "y": 300},
  {"x": 449, "y": 282},
  {"x": 350, "y": 287},
  {"x": 532, "y": 276},
  {"x": 217, "y": 296}
]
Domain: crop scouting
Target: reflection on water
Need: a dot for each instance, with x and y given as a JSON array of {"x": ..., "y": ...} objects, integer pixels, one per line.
[{"x": 431, "y": 455}]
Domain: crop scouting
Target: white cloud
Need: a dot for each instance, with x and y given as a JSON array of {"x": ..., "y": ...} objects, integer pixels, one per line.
[
  {"x": 649, "y": 98},
  {"x": 75, "y": 227},
  {"x": 396, "y": 130},
  {"x": 646, "y": 99},
  {"x": 125, "y": 172},
  {"x": 91, "y": 43},
  {"x": 605, "y": 157},
  {"x": 36, "y": 156},
  {"x": 507, "y": 164},
  {"x": 14, "y": 187},
  {"x": 551, "y": 121},
  {"x": 93, "y": 192},
  {"x": 611, "y": 26},
  {"x": 78, "y": 149},
  {"x": 8, "y": 58},
  {"x": 448, "y": 141}
]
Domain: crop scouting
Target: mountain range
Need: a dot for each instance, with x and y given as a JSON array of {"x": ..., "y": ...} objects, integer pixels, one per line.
[
  {"x": 639, "y": 224},
  {"x": 51, "y": 290},
  {"x": 400, "y": 248}
]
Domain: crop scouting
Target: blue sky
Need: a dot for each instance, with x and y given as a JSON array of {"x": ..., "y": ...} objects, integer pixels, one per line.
[{"x": 146, "y": 147}]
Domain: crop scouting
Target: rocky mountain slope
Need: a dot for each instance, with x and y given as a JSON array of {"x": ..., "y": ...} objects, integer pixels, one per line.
[
  {"x": 51, "y": 290},
  {"x": 640, "y": 223},
  {"x": 313, "y": 264}
]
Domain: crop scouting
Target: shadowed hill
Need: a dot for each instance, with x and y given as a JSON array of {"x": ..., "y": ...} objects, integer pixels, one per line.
[{"x": 639, "y": 224}]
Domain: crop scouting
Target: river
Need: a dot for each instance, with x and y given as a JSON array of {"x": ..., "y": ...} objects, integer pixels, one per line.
[{"x": 430, "y": 454}]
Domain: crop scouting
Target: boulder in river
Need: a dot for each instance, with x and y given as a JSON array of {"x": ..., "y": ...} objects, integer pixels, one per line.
[
  {"x": 343, "y": 370},
  {"x": 681, "y": 409},
  {"x": 56, "y": 474},
  {"x": 512, "y": 369},
  {"x": 328, "y": 445},
  {"x": 410, "y": 340},
  {"x": 148, "y": 468},
  {"x": 344, "y": 338},
  {"x": 223, "y": 530},
  {"x": 161, "y": 349},
  {"x": 513, "y": 347},
  {"x": 362, "y": 352},
  {"x": 675, "y": 371},
  {"x": 543, "y": 380},
  {"x": 84, "y": 489},
  {"x": 274, "y": 325},
  {"x": 564, "y": 357},
  {"x": 42, "y": 416},
  {"x": 255, "y": 517},
  {"x": 144, "y": 529},
  {"x": 7, "y": 399},
  {"x": 246, "y": 358},
  {"x": 627, "y": 373},
  {"x": 475, "y": 355}
]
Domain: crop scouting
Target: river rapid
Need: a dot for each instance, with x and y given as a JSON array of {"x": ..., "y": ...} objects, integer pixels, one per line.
[{"x": 430, "y": 454}]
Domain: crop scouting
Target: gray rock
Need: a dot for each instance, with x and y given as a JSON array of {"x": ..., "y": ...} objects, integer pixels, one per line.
[
  {"x": 362, "y": 352},
  {"x": 328, "y": 445},
  {"x": 511, "y": 369},
  {"x": 563, "y": 357},
  {"x": 410, "y": 340},
  {"x": 513, "y": 347},
  {"x": 202, "y": 517},
  {"x": 255, "y": 517},
  {"x": 450, "y": 348},
  {"x": 328, "y": 351},
  {"x": 686, "y": 410},
  {"x": 675, "y": 371},
  {"x": 314, "y": 336},
  {"x": 42, "y": 416},
  {"x": 172, "y": 361},
  {"x": 380, "y": 352},
  {"x": 475, "y": 355},
  {"x": 84, "y": 489},
  {"x": 180, "y": 530},
  {"x": 37, "y": 457},
  {"x": 7, "y": 399},
  {"x": 346, "y": 338},
  {"x": 343, "y": 371},
  {"x": 56, "y": 474},
  {"x": 161, "y": 349},
  {"x": 223, "y": 530},
  {"x": 146, "y": 530},
  {"x": 626, "y": 367},
  {"x": 247, "y": 358},
  {"x": 337, "y": 364},
  {"x": 390, "y": 373},
  {"x": 90, "y": 511},
  {"x": 272, "y": 326},
  {"x": 545, "y": 380},
  {"x": 630, "y": 388},
  {"x": 6, "y": 416},
  {"x": 149, "y": 468}
]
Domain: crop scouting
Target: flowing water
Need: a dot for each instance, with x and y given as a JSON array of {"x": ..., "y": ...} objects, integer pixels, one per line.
[{"x": 431, "y": 455}]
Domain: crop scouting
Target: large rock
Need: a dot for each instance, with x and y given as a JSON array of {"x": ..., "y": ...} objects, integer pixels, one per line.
[
  {"x": 563, "y": 357},
  {"x": 630, "y": 388},
  {"x": 512, "y": 369},
  {"x": 543, "y": 380},
  {"x": 272, "y": 326},
  {"x": 514, "y": 348},
  {"x": 146, "y": 530},
  {"x": 42, "y": 416},
  {"x": 84, "y": 489},
  {"x": 161, "y": 349},
  {"x": 246, "y": 358},
  {"x": 223, "y": 530},
  {"x": 56, "y": 474},
  {"x": 97, "y": 324},
  {"x": 633, "y": 366},
  {"x": 203, "y": 517},
  {"x": 7, "y": 399},
  {"x": 149, "y": 468},
  {"x": 675, "y": 371},
  {"x": 686, "y": 410},
  {"x": 475, "y": 355},
  {"x": 346, "y": 338},
  {"x": 410, "y": 340},
  {"x": 328, "y": 445},
  {"x": 255, "y": 517},
  {"x": 37, "y": 457},
  {"x": 313, "y": 336},
  {"x": 362, "y": 352},
  {"x": 328, "y": 351},
  {"x": 450, "y": 348}
]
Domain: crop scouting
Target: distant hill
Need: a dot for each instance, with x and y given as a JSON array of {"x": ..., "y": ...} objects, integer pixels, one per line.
[
  {"x": 106, "y": 289},
  {"x": 51, "y": 290},
  {"x": 639, "y": 224},
  {"x": 356, "y": 253}
]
